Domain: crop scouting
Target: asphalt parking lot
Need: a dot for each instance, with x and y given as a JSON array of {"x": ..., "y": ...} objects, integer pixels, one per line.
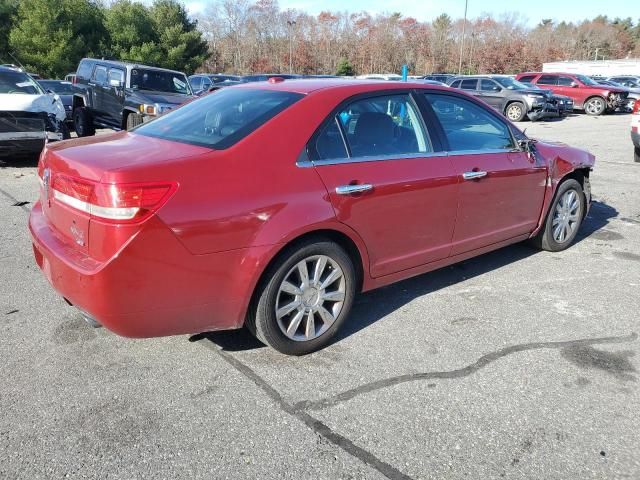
[{"x": 515, "y": 364}]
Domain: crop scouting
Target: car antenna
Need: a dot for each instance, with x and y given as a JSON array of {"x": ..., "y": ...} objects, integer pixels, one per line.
[{"x": 17, "y": 61}]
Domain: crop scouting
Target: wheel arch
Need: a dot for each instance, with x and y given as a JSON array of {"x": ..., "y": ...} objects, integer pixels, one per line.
[{"x": 77, "y": 102}]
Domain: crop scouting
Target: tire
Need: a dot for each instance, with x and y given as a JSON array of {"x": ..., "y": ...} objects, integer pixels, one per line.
[
  {"x": 515, "y": 111},
  {"x": 595, "y": 106},
  {"x": 636, "y": 154},
  {"x": 548, "y": 238},
  {"x": 66, "y": 134},
  {"x": 274, "y": 295},
  {"x": 83, "y": 122},
  {"x": 133, "y": 120}
]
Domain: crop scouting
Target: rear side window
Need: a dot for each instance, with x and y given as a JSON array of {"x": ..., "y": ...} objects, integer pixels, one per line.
[
  {"x": 388, "y": 125},
  {"x": 469, "y": 84},
  {"x": 221, "y": 119},
  {"x": 548, "y": 80},
  {"x": 468, "y": 126},
  {"x": 526, "y": 78}
]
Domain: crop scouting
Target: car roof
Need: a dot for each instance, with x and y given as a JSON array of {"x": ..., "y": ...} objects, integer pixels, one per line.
[
  {"x": 117, "y": 63},
  {"x": 309, "y": 85}
]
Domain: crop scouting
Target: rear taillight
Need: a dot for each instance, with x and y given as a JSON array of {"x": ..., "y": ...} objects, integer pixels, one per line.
[
  {"x": 636, "y": 107},
  {"x": 112, "y": 202}
]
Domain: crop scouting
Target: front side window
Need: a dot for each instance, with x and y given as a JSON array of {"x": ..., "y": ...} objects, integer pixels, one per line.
[
  {"x": 100, "y": 75},
  {"x": 488, "y": 86},
  {"x": 456, "y": 84},
  {"x": 384, "y": 125},
  {"x": 159, "y": 81},
  {"x": 221, "y": 119},
  {"x": 548, "y": 80},
  {"x": 565, "y": 81},
  {"x": 469, "y": 126},
  {"x": 196, "y": 83},
  {"x": 18, "y": 82}
]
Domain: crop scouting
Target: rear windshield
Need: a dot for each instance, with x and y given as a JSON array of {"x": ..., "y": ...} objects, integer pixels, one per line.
[
  {"x": 220, "y": 119},
  {"x": 18, "y": 82}
]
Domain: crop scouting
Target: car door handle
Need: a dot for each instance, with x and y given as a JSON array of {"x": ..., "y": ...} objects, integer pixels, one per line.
[
  {"x": 473, "y": 175},
  {"x": 351, "y": 189}
]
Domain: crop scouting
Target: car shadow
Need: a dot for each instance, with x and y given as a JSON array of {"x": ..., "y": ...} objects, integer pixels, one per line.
[{"x": 372, "y": 306}]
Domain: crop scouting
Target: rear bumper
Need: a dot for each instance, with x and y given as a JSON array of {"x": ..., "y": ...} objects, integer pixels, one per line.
[{"x": 153, "y": 286}]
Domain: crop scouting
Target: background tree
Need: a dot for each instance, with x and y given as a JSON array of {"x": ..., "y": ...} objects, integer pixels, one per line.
[
  {"x": 8, "y": 10},
  {"x": 51, "y": 36},
  {"x": 344, "y": 67}
]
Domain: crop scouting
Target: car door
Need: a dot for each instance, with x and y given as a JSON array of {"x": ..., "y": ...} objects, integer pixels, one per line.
[
  {"x": 114, "y": 96},
  {"x": 98, "y": 79},
  {"x": 502, "y": 187},
  {"x": 491, "y": 93},
  {"x": 387, "y": 181}
]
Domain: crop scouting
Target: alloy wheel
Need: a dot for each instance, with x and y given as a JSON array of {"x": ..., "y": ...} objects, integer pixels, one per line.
[
  {"x": 566, "y": 217},
  {"x": 310, "y": 298},
  {"x": 514, "y": 112}
]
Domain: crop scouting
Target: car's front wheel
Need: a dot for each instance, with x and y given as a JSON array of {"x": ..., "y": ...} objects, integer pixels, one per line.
[
  {"x": 516, "y": 112},
  {"x": 304, "y": 298},
  {"x": 83, "y": 122},
  {"x": 595, "y": 106},
  {"x": 563, "y": 219}
]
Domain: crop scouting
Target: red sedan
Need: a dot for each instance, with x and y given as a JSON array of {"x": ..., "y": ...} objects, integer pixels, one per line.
[{"x": 272, "y": 204}]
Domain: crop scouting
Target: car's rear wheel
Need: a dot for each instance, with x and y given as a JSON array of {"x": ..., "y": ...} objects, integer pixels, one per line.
[
  {"x": 516, "y": 112},
  {"x": 83, "y": 122},
  {"x": 636, "y": 154},
  {"x": 595, "y": 106},
  {"x": 133, "y": 120},
  {"x": 304, "y": 298},
  {"x": 563, "y": 219}
]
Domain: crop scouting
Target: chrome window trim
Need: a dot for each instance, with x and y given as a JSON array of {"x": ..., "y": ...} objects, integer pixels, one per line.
[{"x": 303, "y": 162}]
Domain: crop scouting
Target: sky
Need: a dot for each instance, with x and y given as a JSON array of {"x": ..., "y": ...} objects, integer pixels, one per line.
[{"x": 530, "y": 11}]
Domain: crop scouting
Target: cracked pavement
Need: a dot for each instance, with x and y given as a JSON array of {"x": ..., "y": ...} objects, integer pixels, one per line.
[{"x": 516, "y": 364}]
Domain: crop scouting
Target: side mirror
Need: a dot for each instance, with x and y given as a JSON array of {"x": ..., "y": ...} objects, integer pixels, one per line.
[
  {"x": 574, "y": 85},
  {"x": 115, "y": 83}
]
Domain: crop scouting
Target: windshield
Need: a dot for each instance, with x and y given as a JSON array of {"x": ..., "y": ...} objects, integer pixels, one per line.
[
  {"x": 220, "y": 119},
  {"x": 18, "y": 82},
  {"x": 586, "y": 80},
  {"x": 510, "y": 83},
  {"x": 159, "y": 81},
  {"x": 59, "y": 87}
]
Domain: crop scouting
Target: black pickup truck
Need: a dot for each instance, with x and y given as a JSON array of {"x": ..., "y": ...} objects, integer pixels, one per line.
[{"x": 121, "y": 95}]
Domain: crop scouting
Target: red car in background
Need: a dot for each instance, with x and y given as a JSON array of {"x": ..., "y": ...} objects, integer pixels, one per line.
[
  {"x": 272, "y": 204},
  {"x": 587, "y": 94}
]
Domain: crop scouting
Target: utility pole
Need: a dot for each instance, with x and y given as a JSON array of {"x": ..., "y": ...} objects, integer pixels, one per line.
[
  {"x": 291, "y": 23},
  {"x": 464, "y": 25}
]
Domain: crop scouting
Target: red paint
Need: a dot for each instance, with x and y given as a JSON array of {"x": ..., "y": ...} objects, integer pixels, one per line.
[{"x": 193, "y": 264}]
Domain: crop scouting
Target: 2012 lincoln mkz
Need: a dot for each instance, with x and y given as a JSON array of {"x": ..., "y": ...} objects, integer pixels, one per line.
[{"x": 271, "y": 205}]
